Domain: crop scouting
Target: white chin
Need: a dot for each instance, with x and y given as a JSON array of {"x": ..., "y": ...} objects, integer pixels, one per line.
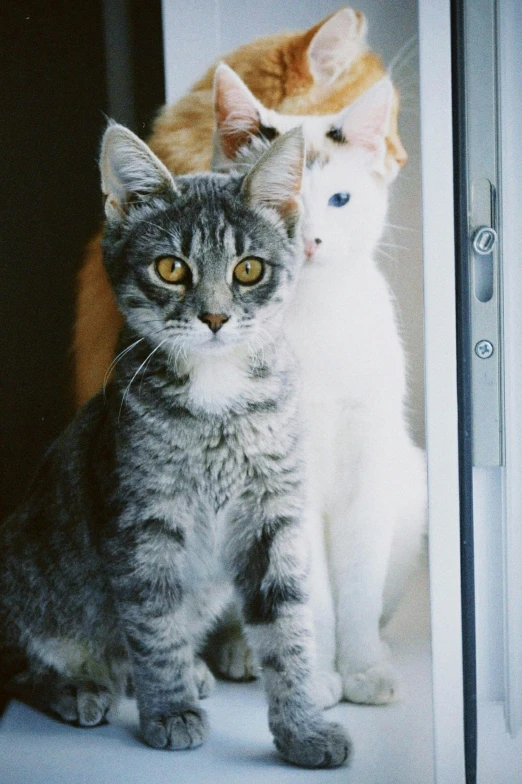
[{"x": 215, "y": 343}]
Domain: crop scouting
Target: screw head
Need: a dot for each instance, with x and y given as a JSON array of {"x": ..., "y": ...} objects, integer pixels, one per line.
[
  {"x": 484, "y": 349},
  {"x": 484, "y": 240}
]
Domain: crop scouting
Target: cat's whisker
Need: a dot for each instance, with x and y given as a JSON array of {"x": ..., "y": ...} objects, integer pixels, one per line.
[
  {"x": 265, "y": 341},
  {"x": 160, "y": 228},
  {"x": 115, "y": 362},
  {"x": 146, "y": 363},
  {"x": 171, "y": 349},
  {"x": 406, "y": 52},
  {"x": 176, "y": 349},
  {"x": 257, "y": 350},
  {"x": 153, "y": 321},
  {"x": 136, "y": 373},
  {"x": 402, "y": 228},
  {"x": 393, "y": 245},
  {"x": 386, "y": 255}
]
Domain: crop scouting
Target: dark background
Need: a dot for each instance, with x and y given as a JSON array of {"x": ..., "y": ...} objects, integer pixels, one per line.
[{"x": 65, "y": 65}]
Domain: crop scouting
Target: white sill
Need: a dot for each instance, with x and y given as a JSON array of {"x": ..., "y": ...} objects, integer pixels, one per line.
[{"x": 393, "y": 744}]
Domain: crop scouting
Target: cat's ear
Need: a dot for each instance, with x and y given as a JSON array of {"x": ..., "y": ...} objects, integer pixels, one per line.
[
  {"x": 337, "y": 43},
  {"x": 276, "y": 179},
  {"x": 238, "y": 113},
  {"x": 365, "y": 123},
  {"x": 130, "y": 172}
]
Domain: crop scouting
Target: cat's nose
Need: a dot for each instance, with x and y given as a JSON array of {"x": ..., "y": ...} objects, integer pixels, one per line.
[
  {"x": 214, "y": 321},
  {"x": 310, "y": 247}
]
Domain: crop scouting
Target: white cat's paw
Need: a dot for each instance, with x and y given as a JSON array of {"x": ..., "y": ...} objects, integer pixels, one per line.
[
  {"x": 205, "y": 681},
  {"x": 235, "y": 661},
  {"x": 327, "y": 689},
  {"x": 375, "y": 686}
]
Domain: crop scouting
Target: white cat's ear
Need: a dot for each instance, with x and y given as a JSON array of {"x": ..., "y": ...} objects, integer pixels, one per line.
[
  {"x": 130, "y": 171},
  {"x": 276, "y": 179},
  {"x": 237, "y": 112},
  {"x": 366, "y": 121},
  {"x": 337, "y": 43}
]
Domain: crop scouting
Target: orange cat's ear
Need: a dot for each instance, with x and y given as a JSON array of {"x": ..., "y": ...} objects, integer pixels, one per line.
[
  {"x": 276, "y": 179},
  {"x": 130, "y": 172},
  {"x": 236, "y": 110},
  {"x": 365, "y": 123},
  {"x": 337, "y": 43}
]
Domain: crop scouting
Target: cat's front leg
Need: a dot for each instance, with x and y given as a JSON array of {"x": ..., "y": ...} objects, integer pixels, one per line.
[
  {"x": 151, "y": 601},
  {"x": 327, "y": 685},
  {"x": 362, "y": 520},
  {"x": 165, "y": 679},
  {"x": 270, "y": 574}
]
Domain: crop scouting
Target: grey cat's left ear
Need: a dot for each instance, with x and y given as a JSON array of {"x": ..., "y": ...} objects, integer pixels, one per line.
[
  {"x": 276, "y": 179},
  {"x": 130, "y": 171}
]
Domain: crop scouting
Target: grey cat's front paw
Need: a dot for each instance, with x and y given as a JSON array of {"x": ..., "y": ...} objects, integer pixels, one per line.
[
  {"x": 83, "y": 704},
  {"x": 205, "y": 681},
  {"x": 327, "y": 746},
  {"x": 183, "y": 729}
]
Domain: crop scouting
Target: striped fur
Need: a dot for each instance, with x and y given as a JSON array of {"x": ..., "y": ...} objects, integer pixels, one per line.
[{"x": 163, "y": 500}]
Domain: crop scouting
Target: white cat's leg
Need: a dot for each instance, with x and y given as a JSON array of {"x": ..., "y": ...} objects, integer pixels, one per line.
[
  {"x": 227, "y": 649},
  {"x": 327, "y": 686},
  {"x": 361, "y": 530},
  {"x": 410, "y": 532},
  {"x": 362, "y": 657}
]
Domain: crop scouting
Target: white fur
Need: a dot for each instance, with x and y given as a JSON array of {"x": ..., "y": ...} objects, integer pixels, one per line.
[
  {"x": 366, "y": 479},
  {"x": 218, "y": 379}
]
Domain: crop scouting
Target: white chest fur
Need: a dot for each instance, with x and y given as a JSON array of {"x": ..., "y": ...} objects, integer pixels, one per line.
[{"x": 218, "y": 380}]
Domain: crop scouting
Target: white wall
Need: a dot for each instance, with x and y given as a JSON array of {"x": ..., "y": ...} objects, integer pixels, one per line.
[{"x": 198, "y": 33}]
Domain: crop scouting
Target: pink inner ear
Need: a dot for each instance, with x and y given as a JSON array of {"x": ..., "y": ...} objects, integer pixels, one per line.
[
  {"x": 369, "y": 136},
  {"x": 237, "y": 116},
  {"x": 365, "y": 123}
]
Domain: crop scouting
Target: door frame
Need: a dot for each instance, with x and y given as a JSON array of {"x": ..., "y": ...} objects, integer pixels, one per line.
[{"x": 442, "y": 421}]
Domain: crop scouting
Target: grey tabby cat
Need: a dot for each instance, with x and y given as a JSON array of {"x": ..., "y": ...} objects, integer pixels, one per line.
[{"x": 181, "y": 484}]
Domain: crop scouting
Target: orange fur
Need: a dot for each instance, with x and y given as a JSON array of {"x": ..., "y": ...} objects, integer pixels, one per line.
[{"x": 276, "y": 70}]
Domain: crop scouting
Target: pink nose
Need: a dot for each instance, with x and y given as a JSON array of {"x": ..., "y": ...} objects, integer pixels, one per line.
[{"x": 310, "y": 247}]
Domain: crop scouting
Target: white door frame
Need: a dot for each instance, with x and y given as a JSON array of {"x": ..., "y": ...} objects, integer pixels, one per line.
[{"x": 441, "y": 387}]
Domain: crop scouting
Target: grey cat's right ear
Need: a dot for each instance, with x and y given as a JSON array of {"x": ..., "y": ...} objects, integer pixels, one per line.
[
  {"x": 237, "y": 112},
  {"x": 130, "y": 171},
  {"x": 337, "y": 43},
  {"x": 276, "y": 179}
]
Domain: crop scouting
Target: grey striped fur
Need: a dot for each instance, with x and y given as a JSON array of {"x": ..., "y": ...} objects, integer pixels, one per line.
[{"x": 175, "y": 490}]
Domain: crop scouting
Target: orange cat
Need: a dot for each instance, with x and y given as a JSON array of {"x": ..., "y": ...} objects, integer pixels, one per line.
[{"x": 318, "y": 71}]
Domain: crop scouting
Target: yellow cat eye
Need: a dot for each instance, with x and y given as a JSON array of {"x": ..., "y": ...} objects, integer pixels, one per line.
[
  {"x": 173, "y": 270},
  {"x": 249, "y": 271}
]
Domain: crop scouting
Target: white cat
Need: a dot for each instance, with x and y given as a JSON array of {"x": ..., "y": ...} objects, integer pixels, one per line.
[{"x": 366, "y": 478}]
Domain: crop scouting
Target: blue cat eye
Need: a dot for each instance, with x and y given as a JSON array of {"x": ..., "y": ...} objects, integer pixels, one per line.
[{"x": 339, "y": 199}]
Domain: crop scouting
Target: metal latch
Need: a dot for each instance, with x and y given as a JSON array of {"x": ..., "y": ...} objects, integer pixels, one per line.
[{"x": 485, "y": 327}]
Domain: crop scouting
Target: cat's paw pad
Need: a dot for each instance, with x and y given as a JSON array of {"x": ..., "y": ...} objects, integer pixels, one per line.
[
  {"x": 205, "y": 681},
  {"x": 235, "y": 661},
  {"x": 375, "y": 686},
  {"x": 327, "y": 746},
  {"x": 183, "y": 729},
  {"x": 84, "y": 705},
  {"x": 327, "y": 689}
]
